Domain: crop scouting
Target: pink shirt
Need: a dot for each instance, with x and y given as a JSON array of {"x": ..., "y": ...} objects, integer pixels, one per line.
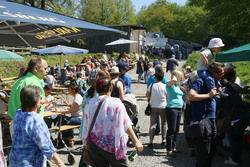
[{"x": 112, "y": 122}]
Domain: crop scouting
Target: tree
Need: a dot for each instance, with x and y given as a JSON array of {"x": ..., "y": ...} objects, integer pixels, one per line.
[
  {"x": 182, "y": 22},
  {"x": 189, "y": 23},
  {"x": 124, "y": 12},
  {"x": 65, "y": 7},
  {"x": 107, "y": 11},
  {"x": 156, "y": 17},
  {"x": 199, "y": 3},
  {"x": 229, "y": 18}
]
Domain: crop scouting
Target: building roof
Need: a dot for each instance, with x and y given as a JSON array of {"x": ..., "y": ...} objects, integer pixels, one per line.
[{"x": 137, "y": 26}]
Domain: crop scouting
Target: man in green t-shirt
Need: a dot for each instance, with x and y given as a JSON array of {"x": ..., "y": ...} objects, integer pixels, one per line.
[{"x": 36, "y": 71}]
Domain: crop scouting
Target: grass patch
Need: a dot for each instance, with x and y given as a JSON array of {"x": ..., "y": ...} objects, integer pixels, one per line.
[{"x": 11, "y": 68}]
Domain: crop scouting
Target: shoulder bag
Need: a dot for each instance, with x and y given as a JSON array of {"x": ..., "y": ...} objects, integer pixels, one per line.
[
  {"x": 148, "y": 108},
  {"x": 223, "y": 124},
  {"x": 198, "y": 127},
  {"x": 86, "y": 157}
]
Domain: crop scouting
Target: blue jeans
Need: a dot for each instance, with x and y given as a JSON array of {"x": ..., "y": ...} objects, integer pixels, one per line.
[
  {"x": 158, "y": 129},
  {"x": 145, "y": 76},
  {"x": 173, "y": 119},
  {"x": 140, "y": 75},
  {"x": 208, "y": 79},
  {"x": 69, "y": 121},
  {"x": 74, "y": 121}
]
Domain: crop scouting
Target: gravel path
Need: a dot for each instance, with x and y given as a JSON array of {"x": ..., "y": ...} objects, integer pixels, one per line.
[{"x": 156, "y": 157}]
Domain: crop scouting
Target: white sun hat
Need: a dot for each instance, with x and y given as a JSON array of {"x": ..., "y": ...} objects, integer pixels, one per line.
[
  {"x": 114, "y": 70},
  {"x": 215, "y": 43}
]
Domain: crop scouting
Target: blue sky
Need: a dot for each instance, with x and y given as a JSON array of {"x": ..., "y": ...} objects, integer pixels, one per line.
[{"x": 139, "y": 3}]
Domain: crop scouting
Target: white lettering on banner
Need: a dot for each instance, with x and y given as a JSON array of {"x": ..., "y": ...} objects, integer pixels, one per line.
[{"x": 52, "y": 19}]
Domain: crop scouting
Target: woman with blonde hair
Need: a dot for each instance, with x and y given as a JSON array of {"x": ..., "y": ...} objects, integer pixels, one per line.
[{"x": 173, "y": 111}]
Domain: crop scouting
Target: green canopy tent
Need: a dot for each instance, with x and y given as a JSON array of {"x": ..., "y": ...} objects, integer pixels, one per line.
[
  {"x": 239, "y": 54},
  {"x": 7, "y": 55}
]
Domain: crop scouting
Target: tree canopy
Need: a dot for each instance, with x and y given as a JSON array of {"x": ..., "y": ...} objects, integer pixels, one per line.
[
  {"x": 108, "y": 11},
  {"x": 191, "y": 22}
]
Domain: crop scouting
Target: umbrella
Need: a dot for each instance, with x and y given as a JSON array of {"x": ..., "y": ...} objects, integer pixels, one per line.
[
  {"x": 120, "y": 41},
  {"x": 58, "y": 50},
  {"x": 22, "y": 25},
  {"x": 238, "y": 54},
  {"x": 7, "y": 55}
]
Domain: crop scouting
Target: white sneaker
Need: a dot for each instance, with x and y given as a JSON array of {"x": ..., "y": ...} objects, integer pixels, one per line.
[{"x": 230, "y": 162}]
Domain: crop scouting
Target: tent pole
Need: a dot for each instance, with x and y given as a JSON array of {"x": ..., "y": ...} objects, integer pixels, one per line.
[{"x": 61, "y": 60}]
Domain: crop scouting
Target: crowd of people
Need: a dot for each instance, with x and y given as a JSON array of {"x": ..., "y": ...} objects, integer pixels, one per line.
[
  {"x": 101, "y": 86},
  {"x": 180, "y": 51}
]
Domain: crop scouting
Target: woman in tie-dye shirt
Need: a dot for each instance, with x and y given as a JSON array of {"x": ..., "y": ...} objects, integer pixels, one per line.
[
  {"x": 31, "y": 143},
  {"x": 107, "y": 143}
]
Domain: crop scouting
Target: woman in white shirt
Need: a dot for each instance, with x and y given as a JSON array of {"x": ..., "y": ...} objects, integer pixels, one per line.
[
  {"x": 158, "y": 102},
  {"x": 74, "y": 110}
]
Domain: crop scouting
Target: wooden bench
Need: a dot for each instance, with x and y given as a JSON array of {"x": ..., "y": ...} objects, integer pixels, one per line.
[
  {"x": 11, "y": 78},
  {"x": 64, "y": 128},
  {"x": 58, "y": 93}
]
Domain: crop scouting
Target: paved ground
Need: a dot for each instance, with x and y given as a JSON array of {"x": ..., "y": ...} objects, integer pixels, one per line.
[{"x": 156, "y": 157}]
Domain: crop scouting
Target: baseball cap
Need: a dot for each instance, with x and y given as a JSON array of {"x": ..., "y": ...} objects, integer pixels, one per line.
[{"x": 215, "y": 43}]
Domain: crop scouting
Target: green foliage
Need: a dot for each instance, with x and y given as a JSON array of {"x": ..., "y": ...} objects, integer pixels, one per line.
[
  {"x": 192, "y": 61},
  {"x": 107, "y": 12},
  {"x": 188, "y": 23},
  {"x": 200, "y": 3},
  {"x": 66, "y": 7},
  {"x": 242, "y": 68},
  {"x": 230, "y": 18},
  {"x": 156, "y": 18},
  {"x": 199, "y": 18}
]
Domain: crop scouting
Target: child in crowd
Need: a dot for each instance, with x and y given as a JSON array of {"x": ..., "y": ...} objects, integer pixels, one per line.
[
  {"x": 31, "y": 144},
  {"x": 49, "y": 100},
  {"x": 206, "y": 58},
  {"x": 63, "y": 77}
]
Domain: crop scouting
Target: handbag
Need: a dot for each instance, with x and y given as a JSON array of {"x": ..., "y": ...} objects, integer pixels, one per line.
[
  {"x": 223, "y": 124},
  {"x": 86, "y": 157},
  {"x": 198, "y": 127},
  {"x": 148, "y": 108}
]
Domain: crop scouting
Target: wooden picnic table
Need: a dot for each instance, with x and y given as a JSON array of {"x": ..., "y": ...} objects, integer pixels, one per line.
[
  {"x": 60, "y": 88},
  {"x": 48, "y": 114},
  {"x": 7, "y": 89}
]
